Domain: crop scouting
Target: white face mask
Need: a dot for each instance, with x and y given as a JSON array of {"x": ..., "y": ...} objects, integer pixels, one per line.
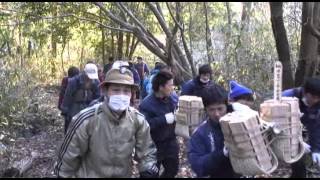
[
  {"x": 119, "y": 102},
  {"x": 205, "y": 81}
]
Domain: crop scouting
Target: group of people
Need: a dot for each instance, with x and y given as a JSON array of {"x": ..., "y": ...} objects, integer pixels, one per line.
[{"x": 105, "y": 136}]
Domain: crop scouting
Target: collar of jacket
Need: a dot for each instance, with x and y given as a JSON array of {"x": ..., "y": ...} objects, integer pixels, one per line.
[
  {"x": 213, "y": 124},
  {"x": 164, "y": 99},
  {"x": 111, "y": 115},
  {"x": 197, "y": 79}
]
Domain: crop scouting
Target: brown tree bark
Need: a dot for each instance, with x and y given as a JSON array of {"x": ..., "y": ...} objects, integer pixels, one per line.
[
  {"x": 282, "y": 44},
  {"x": 179, "y": 59},
  {"x": 120, "y": 45},
  {"x": 128, "y": 39},
  {"x": 309, "y": 42},
  {"x": 208, "y": 35},
  {"x": 53, "y": 40},
  {"x": 102, "y": 41},
  {"x": 112, "y": 44}
]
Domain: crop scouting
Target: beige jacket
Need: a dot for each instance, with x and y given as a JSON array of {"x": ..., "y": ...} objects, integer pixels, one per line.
[{"x": 100, "y": 145}]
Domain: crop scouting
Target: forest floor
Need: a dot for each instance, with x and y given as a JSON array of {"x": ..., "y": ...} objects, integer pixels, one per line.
[{"x": 38, "y": 139}]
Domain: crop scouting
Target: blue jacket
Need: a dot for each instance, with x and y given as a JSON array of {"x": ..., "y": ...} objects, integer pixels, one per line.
[
  {"x": 136, "y": 77},
  {"x": 154, "y": 110},
  {"x": 142, "y": 67},
  {"x": 311, "y": 119},
  {"x": 194, "y": 87},
  {"x": 149, "y": 82},
  {"x": 205, "y": 151},
  {"x": 77, "y": 97}
]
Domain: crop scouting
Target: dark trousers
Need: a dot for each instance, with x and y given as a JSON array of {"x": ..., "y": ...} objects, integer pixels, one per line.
[
  {"x": 170, "y": 165},
  {"x": 168, "y": 157},
  {"x": 299, "y": 168}
]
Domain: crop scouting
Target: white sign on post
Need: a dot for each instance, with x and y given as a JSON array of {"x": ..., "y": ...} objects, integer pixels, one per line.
[{"x": 277, "y": 85}]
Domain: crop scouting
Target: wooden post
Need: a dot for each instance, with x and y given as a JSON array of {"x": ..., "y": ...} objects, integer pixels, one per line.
[{"x": 277, "y": 85}]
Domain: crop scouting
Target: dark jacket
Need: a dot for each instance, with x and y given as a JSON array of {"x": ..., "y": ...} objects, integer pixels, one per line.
[
  {"x": 107, "y": 67},
  {"x": 141, "y": 68},
  {"x": 311, "y": 119},
  {"x": 63, "y": 88},
  {"x": 194, "y": 87},
  {"x": 77, "y": 97},
  {"x": 205, "y": 152},
  {"x": 136, "y": 76},
  {"x": 154, "y": 110}
]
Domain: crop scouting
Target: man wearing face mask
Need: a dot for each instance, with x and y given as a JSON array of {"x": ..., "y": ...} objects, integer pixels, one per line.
[
  {"x": 206, "y": 152},
  {"x": 102, "y": 138},
  {"x": 159, "y": 109},
  {"x": 194, "y": 87}
]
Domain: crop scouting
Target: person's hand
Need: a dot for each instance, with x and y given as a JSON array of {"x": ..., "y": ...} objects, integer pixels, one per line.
[
  {"x": 225, "y": 151},
  {"x": 153, "y": 172},
  {"x": 307, "y": 148},
  {"x": 316, "y": 158},
  {"x": 169, "y": 118}
]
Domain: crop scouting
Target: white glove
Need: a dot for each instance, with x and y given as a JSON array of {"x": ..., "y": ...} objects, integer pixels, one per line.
[
  {"x": 225, "y": 151},
  {"x": 169, "y": 118},
  {"x": 306, "y": 148},
  {"x": 316, "y": 158}
]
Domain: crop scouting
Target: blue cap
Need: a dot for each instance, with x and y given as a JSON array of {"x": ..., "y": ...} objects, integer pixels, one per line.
[{"x": 238, "y": 90}]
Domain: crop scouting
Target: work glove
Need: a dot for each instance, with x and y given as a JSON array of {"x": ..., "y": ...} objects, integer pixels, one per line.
[
  {"x": 225, "y": 151},
  {"x": 153, "y": 172},
  {"x": 316, "y": 158},
  {"x": 307, "y": 148},
  {"x": 169, "y": 118}
]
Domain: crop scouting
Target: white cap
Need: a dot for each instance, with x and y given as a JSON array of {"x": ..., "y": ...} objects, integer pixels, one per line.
[
  {"x": 91, "y": 70},
  {"x": 119, "y": 63}
]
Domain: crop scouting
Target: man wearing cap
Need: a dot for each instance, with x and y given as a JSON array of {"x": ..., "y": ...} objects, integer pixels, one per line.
[
  {"x": 240, "y": 97},
  {"x": 102, "y": 138},
  {"x": 196, "y": 86},
  {"x": 81, "y": 90}
]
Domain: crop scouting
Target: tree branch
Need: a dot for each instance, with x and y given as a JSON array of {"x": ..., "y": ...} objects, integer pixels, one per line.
[
  {"x": 174, "y": 19},
  {"x": 103, "y": 25},
  {"x": 113, "y": 17},
  {"x": 136, "y": 21},
  {"x": 160, "y": 19}
]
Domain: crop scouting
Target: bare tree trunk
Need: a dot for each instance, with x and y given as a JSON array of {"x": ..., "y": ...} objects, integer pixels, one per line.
[
  {"x": 20, "y": 49},
  {"x": 112, "y": 44},
  {"x": 128, "y": 38},
  {"x": 53, "y": 39},
  {"x": 102, "y": 41},
  {"x": 309, "y": 42},
  {"x": 228, "y": 38},
  {"x": 120, "y": 45},
  {"x": 133, "y": 46},
  {"x": 208, "y": 35},
  {"x": 178, "y": 58},
  {"x": 69, "y": 51},
  {"x": 62, "y": 61},
  {"x": 242, "y": 43},
  {"x": 282, "y": 44},
  {"x": 190, "y": 30}
]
